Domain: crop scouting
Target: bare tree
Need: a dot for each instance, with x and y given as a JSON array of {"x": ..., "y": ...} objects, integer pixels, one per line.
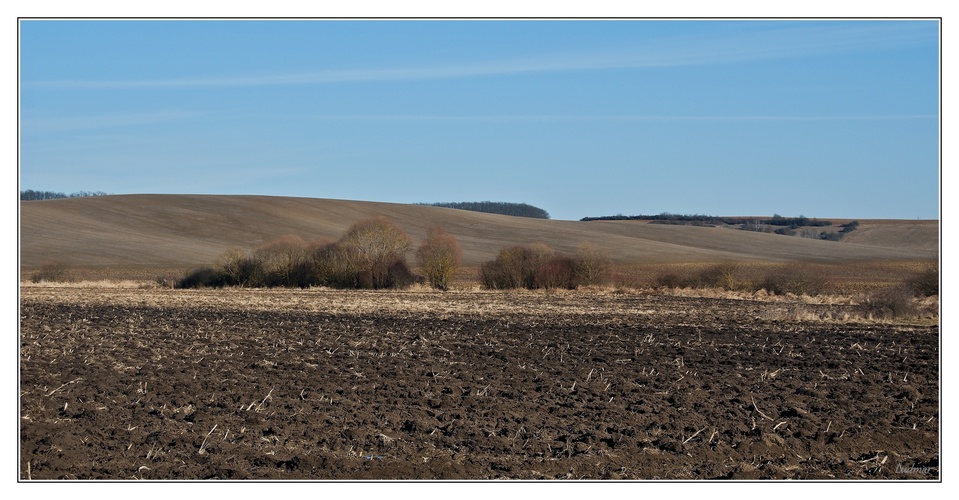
[
  {"x": 439, "y": 256},
  {"x": 235, "y": 265},
  {"x": 592, "y": 265},
  {"x": 517, "y": 267},
  {"x": 281, "y": 261},
  {"x": 377, "y": 245}
]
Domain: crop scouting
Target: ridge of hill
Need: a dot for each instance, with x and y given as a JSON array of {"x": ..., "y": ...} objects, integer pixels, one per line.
[{"x": 158, "y": 230}]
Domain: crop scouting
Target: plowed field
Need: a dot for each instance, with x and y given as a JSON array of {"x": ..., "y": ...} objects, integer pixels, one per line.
[{"x": 331, "y": 385}]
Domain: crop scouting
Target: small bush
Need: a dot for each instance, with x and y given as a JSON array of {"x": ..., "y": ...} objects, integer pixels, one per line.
[
  {"x": 538, "y": 256},
  {"x": 795, "y": 279},
  {"x": 204, "y": 277},
  {"x": 51, "y": 272},
  {"x": 491, "y": 276},
  {"x": 717, "y": 276},
  {"x": 593, "y": 265},
  {"x": 669, "y": 280},
  {"x": 558, "y": 272},
  {"x": 399, "y": 275},
  {"x": 830, "y": 236},
  {"x": 239, "y": 268},
  {"x": 439, "y": 256},
  {"x": 166, "y": 281},
  {"x": 848, "y": 228},
  {"x": 281, "y": 263},
  {"x": 334, "y": 266},
  {"x": 376, "y": 245},
  {"x": 926, "y": 283},
  {"x": 512, "y": 268},
  {"x": 515, "y": 267},
  {"x": 369, "y": 255},
  {"x": 538, "y": 266},
  {"x": 891, "y": 303}
]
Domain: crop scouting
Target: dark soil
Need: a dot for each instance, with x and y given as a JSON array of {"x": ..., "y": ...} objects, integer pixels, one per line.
[{"x": 578, "y": 387}]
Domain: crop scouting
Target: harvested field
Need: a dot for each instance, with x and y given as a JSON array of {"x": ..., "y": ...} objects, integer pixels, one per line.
[
  {"x": 145, "y": 383},
  {"x": 129, "y": 232}
]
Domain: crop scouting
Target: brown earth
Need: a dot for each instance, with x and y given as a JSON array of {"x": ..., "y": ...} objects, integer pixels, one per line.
[
  {"x": 896, "y": 233},
  {"x": 184, "y": 231},
  {"x": 317, "y": 384}
]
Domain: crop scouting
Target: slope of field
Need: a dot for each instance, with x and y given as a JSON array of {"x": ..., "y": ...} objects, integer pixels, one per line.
[
  {"x": 155, "y": 231},
  {"x": 918, "y": 235}
]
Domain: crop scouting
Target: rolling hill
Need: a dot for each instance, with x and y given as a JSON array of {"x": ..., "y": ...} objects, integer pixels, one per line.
[{"x": 175, "y": 231}]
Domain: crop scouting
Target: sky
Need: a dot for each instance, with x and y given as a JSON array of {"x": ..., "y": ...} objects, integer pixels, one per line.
[{"x": 822, "y": 118}]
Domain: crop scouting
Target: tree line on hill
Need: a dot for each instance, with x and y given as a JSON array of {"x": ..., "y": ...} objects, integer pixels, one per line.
[
  {"x": 666, "y": 217},
  {"x": 789, "y": 226},
  {"x": 31, "y": 195},
  {"x": 495, "y": 207}
]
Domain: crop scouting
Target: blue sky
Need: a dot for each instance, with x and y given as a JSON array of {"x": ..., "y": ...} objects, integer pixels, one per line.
[{"x": 821, "y": 118}]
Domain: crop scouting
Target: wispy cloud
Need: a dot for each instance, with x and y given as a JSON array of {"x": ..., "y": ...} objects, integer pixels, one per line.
[
  {"x": 106, "y": 121},
  {"x": 657, "y": 118},
  {"x": 772, "y": 41}
]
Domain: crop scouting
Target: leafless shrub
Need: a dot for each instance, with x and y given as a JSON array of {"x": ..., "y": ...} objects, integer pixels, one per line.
[
  {"x": 333, "y": 266},
  {"x": 669, "y": 280},
  {"x": 238, "y": 267},
  {"x": 369, "y": 255},
  {"x": 376, "y": 244},
  {"x": 512, "y": 268},
  {"x": 204, "y": 277},
  {"x": 722, "y": 275},
  {"x": 538, "y": 256},
  {"x": 798, "y": 279},
  {"x": 534, "y": 266},
  {"x": 53, "y": 271},
  {"x": 891, "y": 303},
  {"x": 926, "y": 282},
  {"x": 281, "y": 262},
  {"x": 439, "y": 256},
  {"x": 557, "y": 272},
  {"x": 593, "y": 265},
  {"x": 165, "y": 280},
  {"x": 399, "y": 275}
]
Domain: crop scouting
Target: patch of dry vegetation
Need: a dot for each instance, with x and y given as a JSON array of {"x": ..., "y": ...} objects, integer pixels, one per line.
[
  {"x": 476, "y": 301},
  {"x": 537, "y": 266},
  {"x": 53, "y": 271},
  {"x": 879, "y": 291},
  {"x": 370, "y": 254},
  {"x": 797, "y": 278}
]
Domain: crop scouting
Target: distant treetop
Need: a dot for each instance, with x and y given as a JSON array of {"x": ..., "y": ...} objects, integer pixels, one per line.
[
  {"x": 495, "y": 207},
  {"x": 31, "y": 195}
]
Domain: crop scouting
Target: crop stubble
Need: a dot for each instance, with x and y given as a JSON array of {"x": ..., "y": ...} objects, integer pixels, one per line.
[{"x": 321, "y": 384}]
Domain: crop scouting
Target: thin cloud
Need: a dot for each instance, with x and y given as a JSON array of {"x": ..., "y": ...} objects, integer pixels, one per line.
[
  {"x": 94, "y": 122},
  {"x": 776, "y": 42},
  {"x": 703, "y": 118}
]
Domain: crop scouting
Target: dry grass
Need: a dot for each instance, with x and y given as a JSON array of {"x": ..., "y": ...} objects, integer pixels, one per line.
[
  {"x": 106, "y": 284},
  {"x": 864, "y": 290},
  {"x": 803, "y": 278},
  {"x": 474, "y": 301}
]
